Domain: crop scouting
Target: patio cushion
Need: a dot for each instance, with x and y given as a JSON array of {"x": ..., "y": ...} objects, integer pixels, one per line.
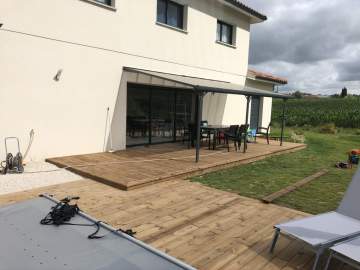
[{"x": 321, "y": 229}]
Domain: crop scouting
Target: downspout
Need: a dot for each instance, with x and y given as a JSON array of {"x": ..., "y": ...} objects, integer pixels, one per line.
[
  {"x": 246, "y": 121},
  {"x": 198, "y": 122},
  {"x": 283, "y": 122}
]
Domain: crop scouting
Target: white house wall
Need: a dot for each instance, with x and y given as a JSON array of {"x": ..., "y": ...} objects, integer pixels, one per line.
[
  {"x": 266, "y": 110},
  {"x": 91, "y": 45}
]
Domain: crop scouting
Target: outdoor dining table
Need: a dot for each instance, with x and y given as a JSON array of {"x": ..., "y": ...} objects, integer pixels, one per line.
[{"x": 215, "y": 130}]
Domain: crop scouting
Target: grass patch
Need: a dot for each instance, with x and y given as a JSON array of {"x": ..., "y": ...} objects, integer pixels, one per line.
[{"x": 264, "y": 177}]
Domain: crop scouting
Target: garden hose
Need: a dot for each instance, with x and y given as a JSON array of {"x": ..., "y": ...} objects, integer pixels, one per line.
[{"x": 32, "y": 135}]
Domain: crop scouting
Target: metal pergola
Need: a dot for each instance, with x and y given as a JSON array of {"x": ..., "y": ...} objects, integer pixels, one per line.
[
  {"x": 199, "y": 99},
  {"x": 203, "y": 86}
]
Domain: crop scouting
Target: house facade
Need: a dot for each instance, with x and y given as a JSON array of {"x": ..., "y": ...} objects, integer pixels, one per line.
[{"x": 64, "y": 70}]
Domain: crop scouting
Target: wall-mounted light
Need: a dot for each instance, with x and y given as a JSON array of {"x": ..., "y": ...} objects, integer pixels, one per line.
[
  {"x": 58, "y": 75},
  {"x": 1, "y": 25}
]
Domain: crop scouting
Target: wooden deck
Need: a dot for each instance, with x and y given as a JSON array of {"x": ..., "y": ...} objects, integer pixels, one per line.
[
  {"x": 136, "y": 167},
  {"x": 207, "y": 228}
]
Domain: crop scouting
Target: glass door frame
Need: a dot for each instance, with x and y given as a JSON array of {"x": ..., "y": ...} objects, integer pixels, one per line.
[{"x": 152, "y": 88}]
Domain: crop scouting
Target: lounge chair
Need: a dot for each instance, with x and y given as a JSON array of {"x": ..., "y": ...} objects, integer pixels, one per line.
[
  {"x": 263, "y": 131},
  {"x": 347, "y": 252},
  {"x": 323, "y": 231}
]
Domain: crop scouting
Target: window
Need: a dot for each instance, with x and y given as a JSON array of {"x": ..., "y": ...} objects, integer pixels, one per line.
[
  {"x": 170, "y": 13},
  {"x": 224, "y": 33},
  {"x": 105, "y": 2}
]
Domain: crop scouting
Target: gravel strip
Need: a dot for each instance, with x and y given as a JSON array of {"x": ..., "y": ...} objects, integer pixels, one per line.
[{"x": 37, "y": 174}]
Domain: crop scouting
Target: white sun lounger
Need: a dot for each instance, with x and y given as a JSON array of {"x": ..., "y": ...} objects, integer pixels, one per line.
[
  {"x": 347, "y": 252},
  {"x": 323, "y": 231}
]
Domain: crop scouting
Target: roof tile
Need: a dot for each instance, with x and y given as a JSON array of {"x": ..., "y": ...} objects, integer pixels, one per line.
[
  {"x": 247, "y": 9},
  {"x": 266, "y": 76}
]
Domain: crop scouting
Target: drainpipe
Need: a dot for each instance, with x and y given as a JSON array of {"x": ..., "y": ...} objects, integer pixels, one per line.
[
  {"x": 246, "y": 120},
  {"x": 106, "y": 128},
  {"x": 108, "y": 131},
  {"x": 283, "y": 122},
  {"x": 198, "y": 124}
]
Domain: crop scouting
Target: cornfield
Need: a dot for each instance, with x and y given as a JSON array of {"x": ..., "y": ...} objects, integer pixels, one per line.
[{"x": 343, "y": 112}]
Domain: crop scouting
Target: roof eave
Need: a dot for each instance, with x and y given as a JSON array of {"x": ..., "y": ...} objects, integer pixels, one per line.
[
  {"x": 255, "y": 17},
  {"x": 266, "y": 79},
  {"x": 275, "y": 82}
]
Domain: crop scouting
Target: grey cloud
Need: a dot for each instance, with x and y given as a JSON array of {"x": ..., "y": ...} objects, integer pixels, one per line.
[
  {"x": 311, "y": 42},
  {"x": 349, "y": 65},
  {"x": 350, "y": 71},
  {"x": 305, "y": 35}
]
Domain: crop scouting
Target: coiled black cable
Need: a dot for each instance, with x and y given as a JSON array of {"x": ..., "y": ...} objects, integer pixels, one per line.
[{"x": 63, "y": 212}]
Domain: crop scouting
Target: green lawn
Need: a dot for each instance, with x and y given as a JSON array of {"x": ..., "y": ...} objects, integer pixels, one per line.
[{"x": 272, "y": 174}]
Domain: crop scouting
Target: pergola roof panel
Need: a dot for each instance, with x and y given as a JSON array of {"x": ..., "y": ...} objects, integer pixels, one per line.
[{"x": 207, "y": 85}]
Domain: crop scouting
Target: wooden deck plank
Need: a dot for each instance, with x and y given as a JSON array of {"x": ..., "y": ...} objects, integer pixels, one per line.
[
  {"x": 205, "y": 227},
  {"x": 272, "y": 197},
  {"x": 138, "y": 167}
]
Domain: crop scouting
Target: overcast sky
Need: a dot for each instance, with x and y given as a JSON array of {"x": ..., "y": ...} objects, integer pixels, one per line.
[{"x": 313, "y": 43}]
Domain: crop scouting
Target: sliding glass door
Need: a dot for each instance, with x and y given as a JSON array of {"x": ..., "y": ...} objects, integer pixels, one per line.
[
  {"x": 157, "y": 115},
  {"x": 184, "y": 116},
  {"x": 162, "y": 115},
  {"x": 138, "y": 116}
]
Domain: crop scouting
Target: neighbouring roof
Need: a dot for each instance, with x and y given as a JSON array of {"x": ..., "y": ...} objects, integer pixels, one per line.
[
  {"x": 207, "y": 85},
  {"x": 247, "y": 9},
  {"x": 257, "y": 75}
]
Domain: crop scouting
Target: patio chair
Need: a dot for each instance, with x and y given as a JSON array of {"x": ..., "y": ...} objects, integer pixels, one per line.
[
  {"x": 189, "y": 134},
  {"x": 263, "y": 131},
  {"x": 323, "y": 231},
  {"x": 204, "y": 133},
  {"x": 243, "y": 135},
  {"x": 232, "y": 135}
]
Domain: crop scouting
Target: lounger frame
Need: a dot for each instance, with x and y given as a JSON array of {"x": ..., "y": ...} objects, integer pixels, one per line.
[
  {"x": 318, "y": 249},
  {"x": 347, "y": 208},
  {"x": 342, "y": 258}
]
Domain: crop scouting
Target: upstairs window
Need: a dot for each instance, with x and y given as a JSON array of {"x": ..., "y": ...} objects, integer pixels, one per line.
[
  {"x": 170, "y": 13},
  {"x": 105, "y": 2},
  {"x": 224, "y": 33}
]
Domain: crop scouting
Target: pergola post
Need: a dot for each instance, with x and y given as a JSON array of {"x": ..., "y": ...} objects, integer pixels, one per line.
[
  {"x": 246, "y": 121},
  {"x": 198, "y": 124},
  {"x": 283, "y": 122}
]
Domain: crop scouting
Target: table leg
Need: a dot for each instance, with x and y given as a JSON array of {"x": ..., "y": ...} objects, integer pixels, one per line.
[
  {"x": 214, "y": 139},
  {"x": 209, "y": 138}
]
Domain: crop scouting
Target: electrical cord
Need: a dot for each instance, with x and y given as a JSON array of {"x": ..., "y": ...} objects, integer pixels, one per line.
[{"x": 63, "y": 212}]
